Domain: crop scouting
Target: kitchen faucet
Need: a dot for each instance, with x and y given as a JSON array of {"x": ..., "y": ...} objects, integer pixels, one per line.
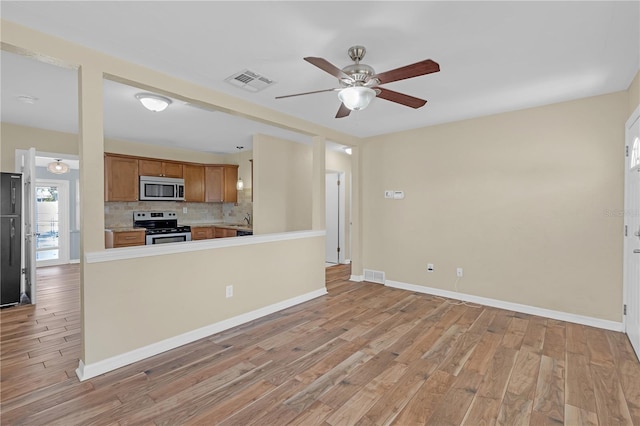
[{"x": 248, "y": 219}]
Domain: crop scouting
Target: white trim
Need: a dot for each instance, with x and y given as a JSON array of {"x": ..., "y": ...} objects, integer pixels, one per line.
[
  {"x": 510, "y": 306},
  {"x": 173, "y": 248},
  {"x": 87, "y": 371},
  {"x": 346, "y": 261},
  {"x": 74, "y": 261},
  {"x": 356, "y": 278}
]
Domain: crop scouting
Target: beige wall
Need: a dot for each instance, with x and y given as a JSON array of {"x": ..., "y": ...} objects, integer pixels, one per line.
[
  {"x": 524, "y": 201},
  {"x": 14, "y": 137},
  {"x": 22, "y": 137},
  {"x": 163, "y": 152},
  {"x": 282, "y": 179},
  {"x": 138, "y": 302}
]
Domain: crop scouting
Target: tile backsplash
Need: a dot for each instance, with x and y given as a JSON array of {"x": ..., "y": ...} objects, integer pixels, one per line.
[
  {"x": 120, "y": 214},
  {"x": 235, "y": 213}
]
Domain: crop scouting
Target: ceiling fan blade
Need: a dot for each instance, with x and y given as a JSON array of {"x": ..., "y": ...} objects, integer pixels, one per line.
[
  {"x": 343, "y": 111},
  {"x": 400, "y": 98},
  {"x": 409, "y": 71},
  {"x": 326, "y": 66},
  {"x": 307, "y": 93}
]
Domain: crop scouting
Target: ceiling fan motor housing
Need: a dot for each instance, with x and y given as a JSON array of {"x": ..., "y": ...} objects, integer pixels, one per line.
[{"x": 358, "y": 72}]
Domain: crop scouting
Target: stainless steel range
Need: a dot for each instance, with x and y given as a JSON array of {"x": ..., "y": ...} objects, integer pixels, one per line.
[{"x": 161, "y": 227}]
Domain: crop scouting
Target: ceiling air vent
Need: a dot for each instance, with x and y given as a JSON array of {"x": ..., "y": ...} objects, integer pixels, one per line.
[{"x": 249, "y": 80}]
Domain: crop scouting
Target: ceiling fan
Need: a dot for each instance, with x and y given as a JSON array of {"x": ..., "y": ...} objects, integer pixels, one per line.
[{"x": 359, "y": 83}]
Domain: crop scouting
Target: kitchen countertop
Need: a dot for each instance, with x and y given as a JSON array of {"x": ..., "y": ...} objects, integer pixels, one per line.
[
  {"x": 124, "y": 229},
  {"x": 238, "y": 226}
]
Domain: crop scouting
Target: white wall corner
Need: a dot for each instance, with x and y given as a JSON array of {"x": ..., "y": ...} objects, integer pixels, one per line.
[{"x": 510, "y": 306}]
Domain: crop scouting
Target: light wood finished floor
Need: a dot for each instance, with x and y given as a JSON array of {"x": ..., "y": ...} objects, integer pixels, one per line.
[{"x": 362, "y": 355}]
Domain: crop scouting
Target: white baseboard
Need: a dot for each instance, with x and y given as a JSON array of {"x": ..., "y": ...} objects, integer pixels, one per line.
[
  {"x": 87, "y": 371},
  {"x": 346, "y": 261},
  {"x": 356, "y": 278},
  {"x": 74, "y": 261},
  {"x": 510, "y": 306}
]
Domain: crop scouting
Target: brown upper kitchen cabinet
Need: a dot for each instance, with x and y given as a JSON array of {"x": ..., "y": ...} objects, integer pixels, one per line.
[
  {"x": 220, "y": 183},
  {"x": 193, "y": 183},
  {"x": 120, "y": 178},
  {"x": 160, "y": 168}
]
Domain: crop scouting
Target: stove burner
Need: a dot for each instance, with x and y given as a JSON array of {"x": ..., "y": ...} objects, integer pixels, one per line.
[{"x": 158, "y": 223}]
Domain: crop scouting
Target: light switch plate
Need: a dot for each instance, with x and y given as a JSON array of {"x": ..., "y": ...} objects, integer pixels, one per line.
[
  {"x": 388, "y": 194},
  {"x": 398, "y": 195}
]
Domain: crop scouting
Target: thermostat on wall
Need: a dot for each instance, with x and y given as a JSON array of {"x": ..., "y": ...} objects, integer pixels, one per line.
[{"x": 398, "y": 195}]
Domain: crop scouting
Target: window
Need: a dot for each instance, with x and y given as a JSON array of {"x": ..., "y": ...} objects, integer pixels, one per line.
[{"x": 635, "y": 154}]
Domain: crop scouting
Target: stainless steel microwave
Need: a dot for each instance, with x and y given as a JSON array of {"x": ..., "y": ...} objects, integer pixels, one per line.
[{"x": 161, "y": 189}]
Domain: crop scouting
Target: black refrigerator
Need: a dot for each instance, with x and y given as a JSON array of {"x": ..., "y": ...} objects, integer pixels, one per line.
[{"x": 10, "y": 238}]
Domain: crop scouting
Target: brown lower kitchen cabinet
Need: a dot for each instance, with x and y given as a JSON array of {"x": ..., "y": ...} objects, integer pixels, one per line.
[
  {"x": 130, "y": 238},
  {"x": 201, "y": 233},
  {"x": 224, "y": 232}
]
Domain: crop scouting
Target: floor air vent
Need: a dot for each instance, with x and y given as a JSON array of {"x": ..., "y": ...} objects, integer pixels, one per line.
[
  {"x": 249, "y": 80},
  {"x": 374, "y": 276}
]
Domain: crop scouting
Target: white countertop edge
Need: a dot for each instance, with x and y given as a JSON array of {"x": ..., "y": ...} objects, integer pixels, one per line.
[{"x": 172, "y": 248}]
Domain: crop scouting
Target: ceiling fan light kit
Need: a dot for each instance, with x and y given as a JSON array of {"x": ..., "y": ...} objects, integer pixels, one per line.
[
  {"x": 359, "y": 83},
  {"x": 155, "y": 103},
  {"x": 356, "y": 98}
]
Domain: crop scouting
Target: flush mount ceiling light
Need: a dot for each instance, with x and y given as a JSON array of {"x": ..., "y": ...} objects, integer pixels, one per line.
[
  {"x": 239, "y": 183},
  {"x": 155, "y": 103},
  {"x": 58, "y": 167},
  {"x": 356, "y": 98},
  {"x": 348, "y": 150}
]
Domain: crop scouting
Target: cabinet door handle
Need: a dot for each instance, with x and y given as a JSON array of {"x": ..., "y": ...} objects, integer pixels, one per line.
[{"x": 130, "y": 237}]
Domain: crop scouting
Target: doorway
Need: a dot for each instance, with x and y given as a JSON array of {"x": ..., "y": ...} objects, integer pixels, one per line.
[
  {"x": 52, "y": 222},
  {"x": 335, "y": 217},
  {"x": 632, "y": 231}
]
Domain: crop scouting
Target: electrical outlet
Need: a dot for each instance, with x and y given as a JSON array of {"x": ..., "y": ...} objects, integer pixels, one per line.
[
  {"x": 229, "y": 291},
  {"x": 459, "y": 272},
  {"x": 184, "y": 210},
  {"x": 430, "y": 267}
]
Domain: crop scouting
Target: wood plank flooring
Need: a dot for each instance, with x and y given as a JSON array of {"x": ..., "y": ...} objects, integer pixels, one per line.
[{"x": 364, "y": 354}]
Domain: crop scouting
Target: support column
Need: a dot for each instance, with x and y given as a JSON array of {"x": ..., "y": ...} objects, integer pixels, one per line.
[
  {"x": 91, "y": 150},
  {"x": 318, "y": 209}
]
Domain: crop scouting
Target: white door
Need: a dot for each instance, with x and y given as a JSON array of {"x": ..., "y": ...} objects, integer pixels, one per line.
[
  {"x": 332, "y": 188},
  {"x": 26, "y": 161},
  {"x": 632, "y": 227},
  {"x": 52, "y": 222}
]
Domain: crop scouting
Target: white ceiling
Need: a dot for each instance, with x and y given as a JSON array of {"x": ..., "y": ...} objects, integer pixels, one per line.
[{"x": 494, "y": 57}]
